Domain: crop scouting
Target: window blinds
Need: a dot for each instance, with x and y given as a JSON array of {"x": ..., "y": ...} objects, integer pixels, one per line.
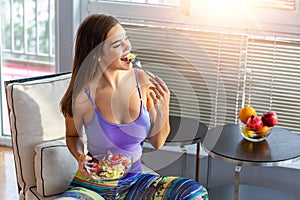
[
  {"x": 202, "y": 69},
  {"x": 211, "y": 75},
  {"x": 273, "y": 79}
]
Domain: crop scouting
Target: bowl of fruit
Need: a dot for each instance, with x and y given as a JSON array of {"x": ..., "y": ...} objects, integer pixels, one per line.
[
  {"x": 256, "y": 128},
  {"x": 109, "y": 167}
]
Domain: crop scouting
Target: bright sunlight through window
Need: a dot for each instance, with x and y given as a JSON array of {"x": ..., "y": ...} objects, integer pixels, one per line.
[
  {"x": 153, "y": 2},
  {"x": 229, "y": 6}
]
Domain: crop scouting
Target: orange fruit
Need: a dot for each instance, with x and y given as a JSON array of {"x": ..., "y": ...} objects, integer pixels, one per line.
[
  {"x": 263, "y": 131},
  {"x": 245, "y": 113}
]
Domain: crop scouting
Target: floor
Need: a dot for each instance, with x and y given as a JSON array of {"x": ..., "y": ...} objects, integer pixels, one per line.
[{"x": 8, "y": 183}]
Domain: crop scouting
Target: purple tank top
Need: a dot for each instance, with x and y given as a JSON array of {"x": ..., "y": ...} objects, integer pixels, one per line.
[{"x": 104, "y": 136}]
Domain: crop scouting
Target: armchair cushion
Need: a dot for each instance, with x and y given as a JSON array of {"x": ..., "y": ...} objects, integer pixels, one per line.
[
  {"x": 35, "y": 117},
  {"x": 54, "y": 168}
]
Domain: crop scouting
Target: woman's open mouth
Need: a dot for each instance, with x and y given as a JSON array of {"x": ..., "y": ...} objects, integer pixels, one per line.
[
  {"x": 125, "y": 59},
  {"x": 128, "y": 59}
]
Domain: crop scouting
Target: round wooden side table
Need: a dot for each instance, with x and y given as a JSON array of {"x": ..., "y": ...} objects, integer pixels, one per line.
[{"x": 227, "y": 143}]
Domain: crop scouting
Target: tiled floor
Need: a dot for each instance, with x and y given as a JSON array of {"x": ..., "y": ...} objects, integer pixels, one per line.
[{"x": 8, "y": 183}]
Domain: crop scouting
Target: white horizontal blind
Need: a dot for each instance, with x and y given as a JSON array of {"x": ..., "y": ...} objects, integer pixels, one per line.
[
  {"x": 274, "y": 78},
  {"x": 205, "y": 72},
  {"x": 276, "y": 4},
  {"x": 202, "y": 69}
]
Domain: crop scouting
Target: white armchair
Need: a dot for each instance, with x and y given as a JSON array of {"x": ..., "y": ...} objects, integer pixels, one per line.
[{"x": 44, "y": 166}]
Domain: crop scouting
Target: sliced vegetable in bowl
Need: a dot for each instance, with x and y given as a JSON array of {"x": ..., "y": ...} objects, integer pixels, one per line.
[{"x": 109, "y": 166}]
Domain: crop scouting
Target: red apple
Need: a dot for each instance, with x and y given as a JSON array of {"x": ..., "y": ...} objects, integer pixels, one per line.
[
  {"x": 269, "y": 118},
  {"x": 254, "y": 123}
]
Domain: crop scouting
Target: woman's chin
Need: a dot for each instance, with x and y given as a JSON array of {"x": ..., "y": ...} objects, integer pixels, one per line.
[{"x": 126, "y": 66}]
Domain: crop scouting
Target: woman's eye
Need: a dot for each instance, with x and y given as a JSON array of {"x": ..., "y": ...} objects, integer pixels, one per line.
[{"x": 117, "y": 46}]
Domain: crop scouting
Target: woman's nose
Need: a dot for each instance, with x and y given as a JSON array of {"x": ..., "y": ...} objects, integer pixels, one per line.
[{"x": 127, "y": 45}]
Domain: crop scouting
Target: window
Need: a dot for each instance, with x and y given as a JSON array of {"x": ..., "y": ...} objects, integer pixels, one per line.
[
  {"x": 28, "y": 42},
  {"x": 28, "y": 37}
]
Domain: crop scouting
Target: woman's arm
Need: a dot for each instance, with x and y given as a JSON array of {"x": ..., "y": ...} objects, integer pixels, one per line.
[
  {"x": 158, "y": 102},
  {"x": 74, "y": 140}
]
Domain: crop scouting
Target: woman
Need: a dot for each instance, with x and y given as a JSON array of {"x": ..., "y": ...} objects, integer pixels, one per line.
[{"x": 119, "y": 107}]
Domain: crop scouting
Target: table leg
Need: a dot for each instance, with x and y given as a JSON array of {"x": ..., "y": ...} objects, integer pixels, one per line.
[
  {"x": 208, "y": 171},
  {"x": 197, "y": 162},
  {"x": 237, "y": 171},
  {"x": 184, "y": 150}
]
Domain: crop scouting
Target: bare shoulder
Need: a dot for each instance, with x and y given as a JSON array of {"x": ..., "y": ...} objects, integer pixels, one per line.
[
  {"x": 143, "y": 78},
  {"x": 81, "y": 104}
]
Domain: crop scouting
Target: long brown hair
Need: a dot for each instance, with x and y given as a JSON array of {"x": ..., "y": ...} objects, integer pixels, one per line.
[{"x": 89, "y": 39}]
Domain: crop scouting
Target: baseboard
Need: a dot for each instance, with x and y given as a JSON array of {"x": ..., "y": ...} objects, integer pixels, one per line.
[{"x": 5, "y": 141}]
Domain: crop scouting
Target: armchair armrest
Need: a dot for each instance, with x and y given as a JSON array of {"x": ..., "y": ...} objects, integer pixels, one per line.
[{"x": 54, "y": 167}]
